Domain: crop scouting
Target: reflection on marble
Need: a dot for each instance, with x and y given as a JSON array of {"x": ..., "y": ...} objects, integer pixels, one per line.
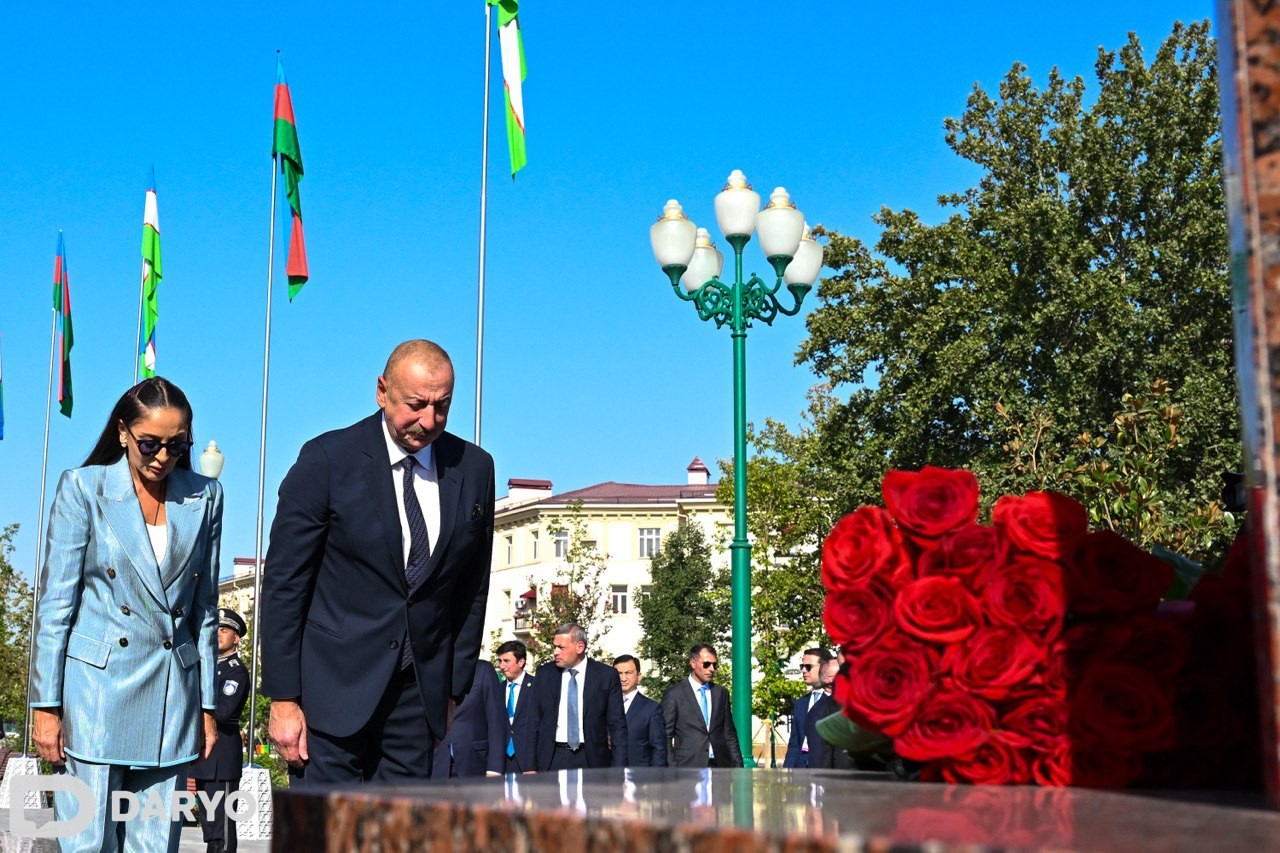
[{"x": 805, "y": 810}]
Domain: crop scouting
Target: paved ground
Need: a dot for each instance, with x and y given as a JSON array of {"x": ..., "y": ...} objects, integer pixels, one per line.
[{"x": 192, "y": 841}]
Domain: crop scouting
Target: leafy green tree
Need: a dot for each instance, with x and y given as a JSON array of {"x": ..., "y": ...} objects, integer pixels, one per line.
[
  {"x": 682, "y": 608},
  {"x": 577, "y": 593},
  {"x": 1088, "y": 262},
  {"x": 15, "y": 634}
]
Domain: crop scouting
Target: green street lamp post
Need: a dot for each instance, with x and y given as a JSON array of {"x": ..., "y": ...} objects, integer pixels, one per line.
[{"x": 693, "y": 264}]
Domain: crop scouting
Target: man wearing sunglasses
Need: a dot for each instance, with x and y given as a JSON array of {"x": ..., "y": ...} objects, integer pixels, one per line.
[
  {"x": 700, "y": 730},
  {"x": 800, "y": 743}
]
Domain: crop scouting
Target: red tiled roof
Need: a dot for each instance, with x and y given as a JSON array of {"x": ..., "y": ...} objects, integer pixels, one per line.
[
  {"x": 622, "y": 493},
  {"x": 697, "y": 465},
  {"x": 516, "y": 483}
]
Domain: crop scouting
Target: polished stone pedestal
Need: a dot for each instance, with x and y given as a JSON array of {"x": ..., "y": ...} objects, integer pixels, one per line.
[{"x": 646, "y": 809}]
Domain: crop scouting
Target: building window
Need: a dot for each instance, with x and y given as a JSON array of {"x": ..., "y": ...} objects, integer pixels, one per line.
[
  {"x": 506, "y": 604},
  {"x": 510, "y": 549},
  {"x": 560, "y": 546},
  {"x": 619, "y": 597},
  {"x": 650, "y": 539},
  {"x": 534, "y": 536}
]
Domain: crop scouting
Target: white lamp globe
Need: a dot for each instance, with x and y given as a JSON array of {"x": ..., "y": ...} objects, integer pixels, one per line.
[
  {"x": 806, "y": 264},
  {"x": 737, "y": 206},
  {"x": 212, "y": 460},
  {"x": 672, "y": 237},
  {"x": 780, "y": 225},
  {"x": 706, "y": 264}
]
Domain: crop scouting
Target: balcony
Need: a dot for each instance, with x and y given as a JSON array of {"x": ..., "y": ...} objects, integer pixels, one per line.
[{"x": 523, "y": 624}]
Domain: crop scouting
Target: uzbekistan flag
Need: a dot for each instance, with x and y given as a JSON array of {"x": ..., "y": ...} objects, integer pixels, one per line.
[
  {"x": 65, "y": 338},
  {"x": 511, "y": 46},
  {"x": 151, "y": 275},
  {"x": 285, "y": 144}
]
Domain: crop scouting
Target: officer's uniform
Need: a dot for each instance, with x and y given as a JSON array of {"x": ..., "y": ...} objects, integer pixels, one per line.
[{"x": 221, "y": 771}]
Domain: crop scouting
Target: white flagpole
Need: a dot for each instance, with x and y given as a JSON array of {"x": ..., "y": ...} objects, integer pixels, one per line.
[
  {"x": 137, "y": 341},
  {"x": 484, "y": 200},
  {"x": 262, "y": 470},
  {"x": 35, "y": 580}
]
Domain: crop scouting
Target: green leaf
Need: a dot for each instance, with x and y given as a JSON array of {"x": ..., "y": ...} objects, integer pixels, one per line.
[
  {"x": 1186, "y": 573},
  {"x": 843, "y": 733}
]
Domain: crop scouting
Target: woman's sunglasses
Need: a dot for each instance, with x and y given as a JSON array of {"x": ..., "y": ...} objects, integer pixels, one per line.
[{"x": 151, "y": 446}]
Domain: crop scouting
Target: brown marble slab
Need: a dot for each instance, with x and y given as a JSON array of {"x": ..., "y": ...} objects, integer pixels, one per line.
[
  {"x": 1249, "y": 63},
  {"x": 647, "y": 809}
]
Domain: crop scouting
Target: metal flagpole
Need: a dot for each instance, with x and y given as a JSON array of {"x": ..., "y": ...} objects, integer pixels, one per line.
[
  {"x": 262, "y": 470},
  {"x": 35, "y": 581},
  {"x": 137, "y": 341},
  {"x": 484, "y": 200}
]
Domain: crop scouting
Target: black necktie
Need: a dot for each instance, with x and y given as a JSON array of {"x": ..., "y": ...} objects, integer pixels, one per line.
[{"x": 415, "y": 570}]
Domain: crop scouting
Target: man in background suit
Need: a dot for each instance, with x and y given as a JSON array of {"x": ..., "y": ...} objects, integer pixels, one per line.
[
  {"x": 517, "y": 700},
  {"x": 801, "y": 745},
  {"x": 577, "y": 711},
  {"x": 375, "y": 584},
  {"x": 700, "y": 727},
  {"x": 646, "y": 728},
  {"x": 476, "y": 740}
]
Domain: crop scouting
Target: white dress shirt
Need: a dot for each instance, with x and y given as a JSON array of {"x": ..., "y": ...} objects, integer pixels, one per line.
[
  {"x": 697, "y": 697},
  {"x": 515, "y": 696},
  {"x": 562, "y": 716},
  {"x": 425, "y": 485},
  {"x": 626, "y": 699},
  {"x": 813, "y": 700}
]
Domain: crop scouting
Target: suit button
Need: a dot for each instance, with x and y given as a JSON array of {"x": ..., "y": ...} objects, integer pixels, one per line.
[
  {"x": 124, "y": 608},
  {"x": 111, "y": 573},
  {"x": 177, "y": 611},
  {"x": 124, "y": 641},
  {"x": 395, "y": 644},
  {"x": 167, "y": 644}
]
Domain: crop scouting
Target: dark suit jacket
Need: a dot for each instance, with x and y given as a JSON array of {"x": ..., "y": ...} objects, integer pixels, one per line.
[
  {"x": 799, "y": 716},
  {"x": 226, "y": 760},
  {"x": 521, "y": 732},
  {"x": 603, "y": 722},
  {"x": 821, "y": 753},
  {"x": 478, "y": 738},
  {"x": 646, "y": 732},
  {"x": 687, "y": 734},
  {"x": 334, "y": 598}
]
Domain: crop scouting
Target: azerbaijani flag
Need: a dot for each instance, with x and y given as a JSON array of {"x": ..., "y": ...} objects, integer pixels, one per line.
[
  {"x": 285, "y": 144},
  {"x": 65, "y": 337},
  {"x": 151, "y": 275},
  {"x": 511, "y": 46}
]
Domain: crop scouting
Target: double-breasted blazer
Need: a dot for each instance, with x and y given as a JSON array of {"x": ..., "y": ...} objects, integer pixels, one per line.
[
  {"x": 335, "y": 602},
  {"x": 125, "y": 646}
]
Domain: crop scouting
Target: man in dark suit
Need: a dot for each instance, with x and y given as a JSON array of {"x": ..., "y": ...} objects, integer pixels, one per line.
[
  {"x": 577, "y": 709},
  {"x": 476, "y": 740},
  {"x": 646, "y": 729},
  {"x": 700, "y": 727},
  {"x": 800, "y": 744},
  {"x": 517, "y": 700},
  {"x": 375, "y": 584},
  {"x": 220, "y": 773}
]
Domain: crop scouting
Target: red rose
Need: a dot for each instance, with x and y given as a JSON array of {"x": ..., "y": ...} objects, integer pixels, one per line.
[
  {"x": 937, "y": 609},
  {"x": 1110, "y": 575},
  {"x": 863, "y": 545},
  {"x": 950, "y": 724},
  {"x": 855, "y": 617},
  {"x": 1027, "y": 593},
  {"x": 881, "y": 687},
  {"x": 1042, "y": 720},
  {"x": 1123, "y": 707},
  {"x": 1088, "y": 765},
  {"x": 929, "y": 502},
  {"x": 1153, "y": 644},
  {"x": 1000, "y": 760},
  {"x": 993, "y": 662},
  {"x": 1042, "y": 523},
  {"x": 969, "y": 552}
]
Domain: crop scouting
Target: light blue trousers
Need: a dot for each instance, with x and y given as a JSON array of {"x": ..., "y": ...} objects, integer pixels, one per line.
[{"x": 134, "y": 835}]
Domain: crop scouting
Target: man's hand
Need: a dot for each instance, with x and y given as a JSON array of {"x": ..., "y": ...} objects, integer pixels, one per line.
[
  {"x": 208, "y": 734},
  {"x": 287, "y": 729},
  {"x": 46, "y": 731}
]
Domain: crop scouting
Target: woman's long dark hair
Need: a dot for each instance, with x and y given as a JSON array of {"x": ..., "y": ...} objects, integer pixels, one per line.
[{"x": 147, "y": 395}]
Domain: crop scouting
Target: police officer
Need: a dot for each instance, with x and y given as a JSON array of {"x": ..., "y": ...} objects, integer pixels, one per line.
[{"x": 219, "y": 774}]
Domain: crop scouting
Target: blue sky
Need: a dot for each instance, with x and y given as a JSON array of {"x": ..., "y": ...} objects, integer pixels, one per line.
[{"x": 593, "y": 370}]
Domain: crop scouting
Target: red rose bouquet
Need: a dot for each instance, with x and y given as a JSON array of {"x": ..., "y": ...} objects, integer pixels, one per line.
[{"x": 1032, "y": 650}]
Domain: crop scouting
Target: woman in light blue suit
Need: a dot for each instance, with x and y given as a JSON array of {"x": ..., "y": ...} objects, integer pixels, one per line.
[{"x": 126, "y": 625}]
